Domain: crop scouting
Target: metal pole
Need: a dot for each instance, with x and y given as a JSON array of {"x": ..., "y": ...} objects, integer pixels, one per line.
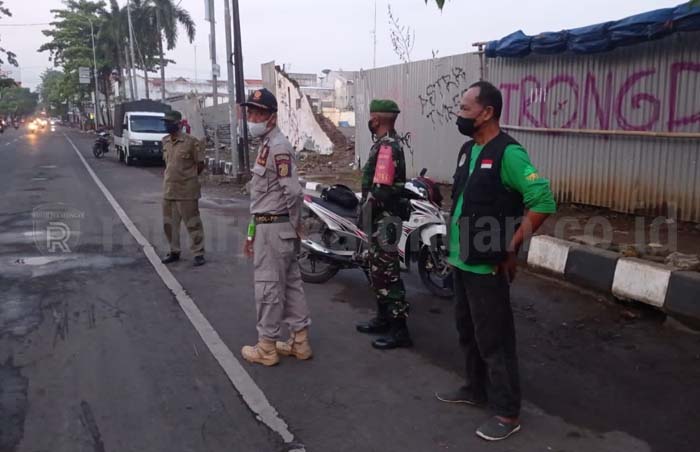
[
  {"x": 95, "y": 94},
  {"x": 374, "y": 33},
  {"x": 214, "y": 77},
  {"x": 128, "y": 70},
  {"x": 231, "y": 91},
  {"x": 135, "y": 93},
  {"x": 240, "y": 83}
]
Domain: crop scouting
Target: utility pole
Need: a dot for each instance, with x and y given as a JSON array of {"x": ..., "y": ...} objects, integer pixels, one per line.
[
  {"x": 95, "y": 94},
  {"x": 214, "y": 75},
  {"x": 128, "y": 70},
  {"x": 135, "y": 92},
  {"x": 240, "y": 84},
  {"x": 231, "y": 93},
  {"x": 374, "y": 33}
]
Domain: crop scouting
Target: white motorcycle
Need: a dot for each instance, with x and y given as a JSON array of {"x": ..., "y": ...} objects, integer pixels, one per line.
[{"x": 336, "y": 241}]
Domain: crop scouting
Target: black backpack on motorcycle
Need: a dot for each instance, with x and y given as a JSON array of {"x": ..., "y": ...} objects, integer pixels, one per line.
[{"x": 340, "y": 195}]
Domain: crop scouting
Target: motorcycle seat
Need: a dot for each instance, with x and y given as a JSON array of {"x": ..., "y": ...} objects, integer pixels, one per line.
[{"x": 352, "y": 214}]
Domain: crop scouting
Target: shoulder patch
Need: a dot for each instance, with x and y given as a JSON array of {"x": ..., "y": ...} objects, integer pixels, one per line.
[
  {"x": 262, "y": 157},
  {"x": 462, "y": 160},
  {"x": 283, "y": 164}
]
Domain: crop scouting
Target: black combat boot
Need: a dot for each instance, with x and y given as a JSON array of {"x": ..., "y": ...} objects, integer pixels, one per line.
[
  {"x": 398, "y": 336},
  {"x": 377, "y": 325}
]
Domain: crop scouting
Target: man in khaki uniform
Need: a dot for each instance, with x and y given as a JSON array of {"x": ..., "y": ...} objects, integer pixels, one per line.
[
  {"x": 273, "y": 239},
  {"x": 184, "y": 162}
]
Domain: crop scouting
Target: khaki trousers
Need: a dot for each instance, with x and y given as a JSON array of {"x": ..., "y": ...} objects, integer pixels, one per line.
[
  {"x": 279, "y": 295},
  {"x": 174, "y": 213}
]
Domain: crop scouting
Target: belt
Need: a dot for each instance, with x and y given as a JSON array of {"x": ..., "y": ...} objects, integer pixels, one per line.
[{"x": 270, "y": 219}]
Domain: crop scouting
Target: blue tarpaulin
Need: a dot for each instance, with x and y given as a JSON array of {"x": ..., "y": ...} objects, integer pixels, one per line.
[{"x": 600, "y": 37}]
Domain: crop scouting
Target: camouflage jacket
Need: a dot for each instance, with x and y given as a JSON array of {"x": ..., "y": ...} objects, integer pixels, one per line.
[{"x": 387, "y": 197}]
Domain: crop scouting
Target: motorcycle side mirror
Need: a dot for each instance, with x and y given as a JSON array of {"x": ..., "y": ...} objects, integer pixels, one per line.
[{"x": 423, "y": 172}]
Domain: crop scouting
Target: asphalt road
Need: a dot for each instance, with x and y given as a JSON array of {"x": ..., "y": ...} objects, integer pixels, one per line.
[{"x": 97, "y": 354}]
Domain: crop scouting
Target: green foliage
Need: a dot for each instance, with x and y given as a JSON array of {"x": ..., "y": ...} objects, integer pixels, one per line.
[
  {"x": 17, "y": 101},
  {"x": 52, "y": 92},
  {"x": 440, "y": 3},
  {"x": 11, "y": 57}
]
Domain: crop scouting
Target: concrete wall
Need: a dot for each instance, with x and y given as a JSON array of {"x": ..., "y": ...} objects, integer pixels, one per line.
[
  {"x": 337, "y": 115},
  {"x": 191, "y": 111},
  {"x": 295, "y": 116}
]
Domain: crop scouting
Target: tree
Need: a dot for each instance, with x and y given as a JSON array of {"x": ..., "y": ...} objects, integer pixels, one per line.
[
  {"x": 403, "y": 38},
  {"x": 70, "y": 47},
  {"x": 168, "y": 16},
  {"x": 17, "y": 101},
  {"x": 440, "y": 3},
  {"x": 112, "y": 42},
  {"x": 11, "y": 57},
  {"x": 52, "y": 94}
]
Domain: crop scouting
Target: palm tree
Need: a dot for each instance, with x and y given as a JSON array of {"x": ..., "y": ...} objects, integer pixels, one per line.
[
  {"x": 111, "y": 39},
  {"x": 168, "y": 16}
]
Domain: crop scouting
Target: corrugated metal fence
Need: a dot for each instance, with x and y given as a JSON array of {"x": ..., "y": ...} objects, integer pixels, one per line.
[{"x": 631, "y": 119}]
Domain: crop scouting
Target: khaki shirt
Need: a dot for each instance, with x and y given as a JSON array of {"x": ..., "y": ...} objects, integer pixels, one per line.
[
  {"x": 275, "y": 187},
  {"x": 181, "y": 155}
]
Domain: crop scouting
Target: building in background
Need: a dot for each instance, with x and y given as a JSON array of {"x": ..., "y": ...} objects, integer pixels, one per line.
[{"x": 179, "y": 87}]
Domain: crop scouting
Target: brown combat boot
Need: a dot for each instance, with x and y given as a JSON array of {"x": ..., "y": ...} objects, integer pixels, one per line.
[
  {"x": 297, "y": 345},
  {"x": 264, "y": 352}
]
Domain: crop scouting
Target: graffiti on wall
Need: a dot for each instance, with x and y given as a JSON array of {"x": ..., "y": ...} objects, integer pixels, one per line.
[
  {"x": 440, "y": 101},
  {"x": 649, "y": 99}
]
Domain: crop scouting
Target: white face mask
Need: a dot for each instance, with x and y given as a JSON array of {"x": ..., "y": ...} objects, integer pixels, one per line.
[{"x": 257, "y": 129}]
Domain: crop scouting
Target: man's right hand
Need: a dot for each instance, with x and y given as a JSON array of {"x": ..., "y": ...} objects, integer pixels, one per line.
[{"x": 248, "y": 248}]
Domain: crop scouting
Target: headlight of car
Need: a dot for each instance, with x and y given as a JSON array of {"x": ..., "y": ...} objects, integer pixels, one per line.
[{"x": 135, "y": 142}]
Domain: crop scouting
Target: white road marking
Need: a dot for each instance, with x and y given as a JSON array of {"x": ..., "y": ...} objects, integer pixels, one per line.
[{"x": 241, "y": 380}]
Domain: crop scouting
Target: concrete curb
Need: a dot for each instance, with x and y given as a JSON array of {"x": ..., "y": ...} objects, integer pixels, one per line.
[
  {"x": 666, "y": 288},
  {"x": 675, "y": 292}
]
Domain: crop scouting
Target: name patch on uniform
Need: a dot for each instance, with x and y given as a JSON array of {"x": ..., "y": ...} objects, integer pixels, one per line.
[
  {"x": 262, "y": 157},
  {"x": 283, "y": 163},
  {"x": 386, "y": 168},
  {"x": 486, "y": 164}
]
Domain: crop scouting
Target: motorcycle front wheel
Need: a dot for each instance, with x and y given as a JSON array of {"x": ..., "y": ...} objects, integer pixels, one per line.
[{"x": 97, "y": 151}]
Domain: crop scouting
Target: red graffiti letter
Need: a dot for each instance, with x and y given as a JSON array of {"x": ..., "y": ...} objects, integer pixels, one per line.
[
  {"x": 507, "y": 88},
  {"x": 561, "y": 100},
  {"x": 602, "y": 110},
  {"x": 526, "y": 100},
  {"x": 636, "y": 102},
  {"x": 676, "y": 70}
]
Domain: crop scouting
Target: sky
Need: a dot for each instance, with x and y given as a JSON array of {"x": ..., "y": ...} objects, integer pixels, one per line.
[{"x": 312, "y": 35}]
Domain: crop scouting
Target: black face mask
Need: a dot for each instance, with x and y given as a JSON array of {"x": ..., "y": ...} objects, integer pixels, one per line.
[
  {"x": 372, "y": 130},
  {"x": 171, "y": 127},
  {"x": 467, "y": 126}
]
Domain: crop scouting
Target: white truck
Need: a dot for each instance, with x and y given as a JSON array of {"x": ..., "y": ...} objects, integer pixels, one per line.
[{"x": 139, "y": 128}]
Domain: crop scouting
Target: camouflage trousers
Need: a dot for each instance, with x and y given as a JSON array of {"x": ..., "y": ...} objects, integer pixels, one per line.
[{"x": 385, "y": 271}]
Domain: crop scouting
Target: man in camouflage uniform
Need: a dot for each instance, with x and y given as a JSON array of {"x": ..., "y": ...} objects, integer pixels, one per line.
[
  {"x": 273, "y": 239},
  {"x": 184, "y": 162},
  {"x": 383, "y": 179}
]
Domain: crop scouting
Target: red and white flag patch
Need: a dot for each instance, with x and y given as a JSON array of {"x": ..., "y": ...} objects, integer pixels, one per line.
[{"x": 486, "y": 164}]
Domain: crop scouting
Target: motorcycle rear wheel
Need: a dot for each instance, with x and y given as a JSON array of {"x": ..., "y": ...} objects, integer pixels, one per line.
[{"x": 437, "y": 277}]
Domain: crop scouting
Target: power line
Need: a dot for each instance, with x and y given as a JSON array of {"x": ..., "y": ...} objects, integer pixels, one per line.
[{"x": 26, "y": 25}]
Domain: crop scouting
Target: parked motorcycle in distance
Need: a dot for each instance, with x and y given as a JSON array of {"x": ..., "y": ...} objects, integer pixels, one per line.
[
  {"x": 336, "y": 241},
  {"x": 101, "y": 145}
]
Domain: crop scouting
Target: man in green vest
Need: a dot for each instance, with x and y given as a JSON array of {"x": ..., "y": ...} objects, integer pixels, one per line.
[{"x": 499, "y": 199}]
